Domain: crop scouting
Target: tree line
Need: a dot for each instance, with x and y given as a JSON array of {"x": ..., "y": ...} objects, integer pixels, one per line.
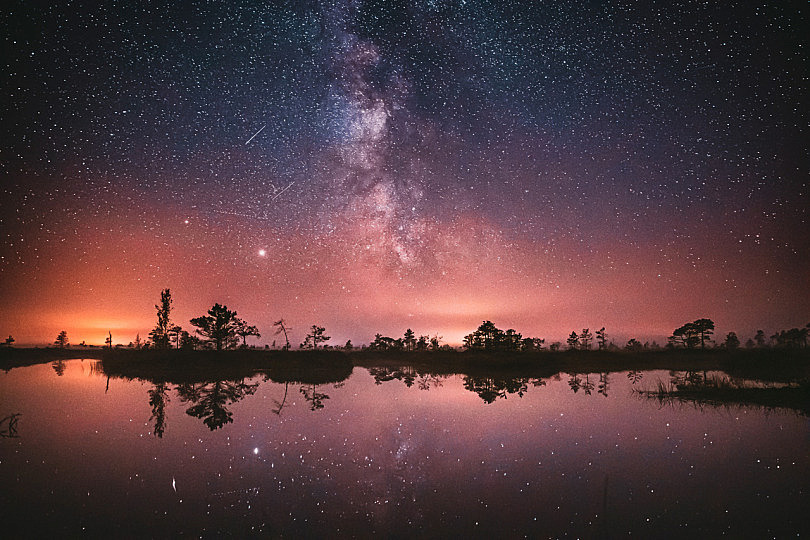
[{"x": 221, "y": 328}]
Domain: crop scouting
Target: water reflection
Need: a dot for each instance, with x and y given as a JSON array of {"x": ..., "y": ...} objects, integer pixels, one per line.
[
  {"x": 378, "y": 458},
  {"x": 408, "y": 375},
  {"x": 210, "y": 401},
  {"x": 8, "y": 426},
  {"x": 59, "y": 367},
  {"x": 315, "y": 398},
  {"x": 158, "y": 398},
  {"x": 489, "y": 389},
  {"x": 635, "y": 376},
  {"x": 717, "y": 389}
]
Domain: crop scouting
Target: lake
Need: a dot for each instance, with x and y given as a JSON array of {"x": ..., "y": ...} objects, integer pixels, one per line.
[{"x": 392, "y": 453}]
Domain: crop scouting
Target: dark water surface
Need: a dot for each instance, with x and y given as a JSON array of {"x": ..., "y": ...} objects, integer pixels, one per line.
[{"x": 393, "y": 454}]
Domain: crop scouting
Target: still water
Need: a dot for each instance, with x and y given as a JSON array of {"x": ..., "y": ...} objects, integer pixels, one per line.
[{"x": 394, "y": 454}]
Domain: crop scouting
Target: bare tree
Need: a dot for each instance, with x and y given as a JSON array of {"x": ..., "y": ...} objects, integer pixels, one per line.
[{"x": 282, "y": 329}]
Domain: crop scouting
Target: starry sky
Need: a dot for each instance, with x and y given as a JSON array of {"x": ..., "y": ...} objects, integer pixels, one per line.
[{"x": 377, "y": 166}]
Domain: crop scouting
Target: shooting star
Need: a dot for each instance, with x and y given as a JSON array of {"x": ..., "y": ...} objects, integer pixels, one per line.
[
  {"x": 251, "y": 216},
  {"x": 254, "y": 135},
  {"x": 282, "y": 191}
]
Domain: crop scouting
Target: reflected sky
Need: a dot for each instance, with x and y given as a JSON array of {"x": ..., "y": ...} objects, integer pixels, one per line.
[{"x": 392, "y": 459}]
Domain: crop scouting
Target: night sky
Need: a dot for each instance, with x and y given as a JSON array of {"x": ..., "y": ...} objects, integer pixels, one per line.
[{"x": 375, "y": 166}]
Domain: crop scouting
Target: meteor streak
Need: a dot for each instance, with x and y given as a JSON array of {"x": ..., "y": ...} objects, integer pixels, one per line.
[{"x": 254, "y": 135}]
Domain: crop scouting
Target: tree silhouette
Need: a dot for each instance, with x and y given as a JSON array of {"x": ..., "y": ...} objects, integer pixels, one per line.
[
  {"x": 409, "y": 340},
  {"x": 760, "y": 338},
  {"x": 9, "y": 341},
  {"x": 732, "y": 341},
  {"x": 62, "y": 340},
  {"x": 282, "y": 329},
  {"x": 175, "y": 334},
  {"x": 108, "y": 341},
  {"x": 422, "y": 343},
  {"x": 793, "y": 338},
  {"x": 160, "y": 334},
  {"x": 511, "y": 341},
  {"x": 573, "y": 341},
  {"x": 317, "y": 334},
  {"x": 218, "y": 327},
  {"x": 686, "y": 336},
  {"x": 532, "y": 344},
  {"x": 487, "y": 337},
  {"x": 704, "y": 329},
  {"x": 385, "y": 343},
  {"x": 244, "y": 330},
  {"x": 601, "y": 338},
  {"x": 634, "y": 345},
  {"x": 585, "y": 339}
]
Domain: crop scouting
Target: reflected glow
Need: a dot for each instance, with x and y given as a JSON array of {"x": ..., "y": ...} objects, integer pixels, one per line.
[{"x": 414, "y": 454}]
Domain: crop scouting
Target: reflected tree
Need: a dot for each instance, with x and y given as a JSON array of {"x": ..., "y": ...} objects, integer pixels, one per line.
[
  {"x": 426, "y": 381},
  {"x": 405, "y": 374},
  {"x": 315, "y": 398},
  {"x": 575, "y": 382},
  {"x": 587, "y": 385},
  {"x": 59, "y": 367},
  {"x": 211, "y": 400},
  {"x": 8, "y": 426},
  {"x": 603, "y": 384},
  {"x": 490, "y": 389},
  {"x": 635, "y": 376},
  {"x": 280, "y": 404},
  {"x": 158, "y": 398}
]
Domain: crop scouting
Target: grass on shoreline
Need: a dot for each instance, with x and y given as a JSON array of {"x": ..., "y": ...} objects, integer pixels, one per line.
[{"x": 720, "y": 391}]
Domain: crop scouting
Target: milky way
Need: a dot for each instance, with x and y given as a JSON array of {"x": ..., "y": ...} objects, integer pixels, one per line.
[{"x": 371, "y": 166}]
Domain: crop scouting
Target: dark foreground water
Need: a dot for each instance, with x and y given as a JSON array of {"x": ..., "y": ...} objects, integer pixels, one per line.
[{"x": 393, "y": 454}]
